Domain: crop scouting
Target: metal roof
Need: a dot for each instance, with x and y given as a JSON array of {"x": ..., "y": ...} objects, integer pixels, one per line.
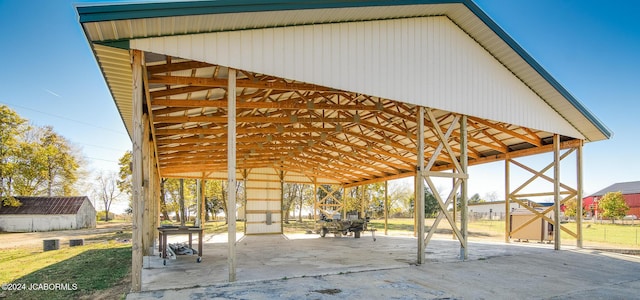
[
  {"x": 115, "y": 25},
  {"x": 632, "y": 187},
  {"x": 315, "y": 131},
  {"x": 45, "y": 206}
]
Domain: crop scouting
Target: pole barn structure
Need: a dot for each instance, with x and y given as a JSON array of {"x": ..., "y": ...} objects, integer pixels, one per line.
[{"x": 342, "y": 93}]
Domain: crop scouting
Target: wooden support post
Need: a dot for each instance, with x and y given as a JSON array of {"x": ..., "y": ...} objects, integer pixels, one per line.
[
  {"x": 156, "y": 204},
  {"x": 136, "y": 173},
  {"x": 507, "y": 201},
  {"x": 579, "y": 195},
  {"x": 464, "y": 161},
  {"x": 203, "y": 203},
  {"x": 245, "y": 178},
  {"x": 455, "y": 202},
  {"x": 344, "y": 202},
  {"x": 419, "y": 190},
  {"x": 415, "y": 203},
  {"x": 181, "y": 201},
  {"x": 315, "y": 199},
  {"x": 281, "y": 177},
  {"x": 362, "y": 204},
  {"x": 198, "y": 221},
  {"x": 147, "y": 245},
  {"x": 231, "y": 173},
  {"x": 386, "y": 206},
  {"x": 556, "y": 191}
]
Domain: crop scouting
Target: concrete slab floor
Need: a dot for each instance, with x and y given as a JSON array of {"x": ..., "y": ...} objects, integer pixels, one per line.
[{"x": 309, "y": 267}]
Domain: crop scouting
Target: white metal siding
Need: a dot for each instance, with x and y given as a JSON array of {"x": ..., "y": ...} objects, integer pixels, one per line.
[
  {"x": 36, "y": 223},
  {"x": 426, "y": 61},
  {"x": 263, "y": 195},
  {"x": 86, "y": 216}
]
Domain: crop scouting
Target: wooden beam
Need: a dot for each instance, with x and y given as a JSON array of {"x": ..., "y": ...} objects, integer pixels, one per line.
[
  {"x": 137, "y": 201},
  {"x": 147, "y": 229},
  {"x": 284, "y": 105},
  {"x": 579, "y": 187},
  {"x": 274, "y": 120},
  {"x": 419, "y": 192},
  {"x": 556, "y": 189},
  {"x": 464, "y": 251},
  {"x": 507, "y": 195},
  {"x": 172, "y": 67},
  {"x": 535, "y": 142},
  {"x": 231, "y": 174},
  {"x": 241, "y": 83}
]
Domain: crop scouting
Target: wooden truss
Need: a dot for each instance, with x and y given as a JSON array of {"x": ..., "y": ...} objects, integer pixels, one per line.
[
  {"x": 333, "y": 135},
  {"x": 460, "y": 177},
  {"x": 561, "y": 193},
  {"x": 331, "y": 202}
]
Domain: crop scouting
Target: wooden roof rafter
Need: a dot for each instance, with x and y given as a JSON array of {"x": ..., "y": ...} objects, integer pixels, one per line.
[{"x": 283, "y": 122}]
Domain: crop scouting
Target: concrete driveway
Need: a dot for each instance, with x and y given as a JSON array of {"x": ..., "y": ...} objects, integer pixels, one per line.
[{"x": 309, "y": 267}]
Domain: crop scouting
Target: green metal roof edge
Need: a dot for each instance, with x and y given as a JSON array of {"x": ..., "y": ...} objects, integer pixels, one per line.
[
  {"x": 97, "y": 13},
  {"x": 120, "y": 44}
]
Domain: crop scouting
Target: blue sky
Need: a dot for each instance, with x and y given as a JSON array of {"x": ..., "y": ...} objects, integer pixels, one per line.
[{"x": 50, "y": 77}]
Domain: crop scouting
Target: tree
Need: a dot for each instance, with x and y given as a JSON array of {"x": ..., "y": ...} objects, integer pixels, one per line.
[
  {"x": 491, "y": 196},
  {"x": 35, "y": 161},
  {"x": 613, "y": 206},
  {"x": 12, "y": 126},
  {"x": 60, "y": 163},
  {"x": 107, "y": 190},
  {"x": 431, "y": 207},
  {"x": 291, "y": 192},
  {"x": 475, "y": 199},
  {"x": 213, "y": 197},
  {"x": 124, "y": 177},
  {"x": 571, "y": 208}
]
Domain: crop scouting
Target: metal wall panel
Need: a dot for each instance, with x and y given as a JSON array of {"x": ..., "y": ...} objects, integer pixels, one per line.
[
  {"x": 426, "y": 61},
  {"x": 263, "y": 196}
]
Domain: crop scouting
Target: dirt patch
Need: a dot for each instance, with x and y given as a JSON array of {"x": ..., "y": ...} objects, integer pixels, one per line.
[
  {"x": 328, "y": 291},
  {"x": 10, "y": 240}
]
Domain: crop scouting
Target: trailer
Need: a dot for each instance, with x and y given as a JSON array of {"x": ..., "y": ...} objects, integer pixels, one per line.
[{"x": 353, "y": 224}]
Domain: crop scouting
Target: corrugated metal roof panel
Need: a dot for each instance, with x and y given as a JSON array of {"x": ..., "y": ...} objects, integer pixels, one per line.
[
  {"x": 45, "y": 206},
  {"x": 632, "y": 187},
  {"x": 116, "y": 67}
]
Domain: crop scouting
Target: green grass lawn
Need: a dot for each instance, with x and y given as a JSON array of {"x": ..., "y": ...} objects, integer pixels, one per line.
[{"x": 82, "y": 269}]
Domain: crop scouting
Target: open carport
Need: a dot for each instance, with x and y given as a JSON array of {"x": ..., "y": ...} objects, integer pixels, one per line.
[{"x": 330, "y": 93}]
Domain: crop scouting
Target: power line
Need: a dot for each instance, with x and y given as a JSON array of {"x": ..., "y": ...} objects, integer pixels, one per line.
[
  {"x": 64, "y": 118},
  {"x": 102, "y": 147},
  {"x": 102, "y": 159}
]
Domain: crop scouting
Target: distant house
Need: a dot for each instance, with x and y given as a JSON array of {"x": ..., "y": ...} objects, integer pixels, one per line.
[
  {"x": 47, "y": 214},
  {"x": 494, "y": 210},
  {"x": 630, "y": 192}
]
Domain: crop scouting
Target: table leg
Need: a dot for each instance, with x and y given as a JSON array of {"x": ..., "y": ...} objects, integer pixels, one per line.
[{"x": 200, "y": 243}]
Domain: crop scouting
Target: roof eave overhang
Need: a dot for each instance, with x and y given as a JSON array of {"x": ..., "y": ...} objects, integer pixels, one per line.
[
  {"x": 583, "y": 119},
  {"x": 99, "y": 13}
]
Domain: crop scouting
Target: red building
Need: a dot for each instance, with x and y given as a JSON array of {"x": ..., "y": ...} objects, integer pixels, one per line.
[{"x": 630, "y": 192}]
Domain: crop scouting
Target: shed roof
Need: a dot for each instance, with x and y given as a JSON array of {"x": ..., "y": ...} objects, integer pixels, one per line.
[
  {"x": 631, "y": 187},
  {"x": 46, "y": 206}
]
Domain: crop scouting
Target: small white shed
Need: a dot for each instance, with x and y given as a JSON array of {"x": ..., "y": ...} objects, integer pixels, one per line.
[{"x": 47, "y": 214}]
